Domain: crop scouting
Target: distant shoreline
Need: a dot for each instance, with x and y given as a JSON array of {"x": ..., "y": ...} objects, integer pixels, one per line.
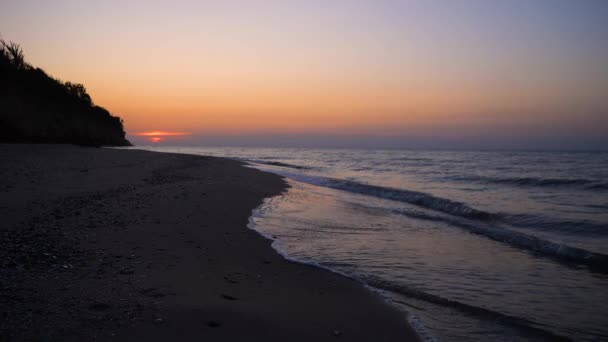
[{"x": 126, "y": 245}]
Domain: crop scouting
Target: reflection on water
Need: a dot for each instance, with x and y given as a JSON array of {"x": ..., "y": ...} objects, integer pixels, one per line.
[{"x": 436, "y": 271}]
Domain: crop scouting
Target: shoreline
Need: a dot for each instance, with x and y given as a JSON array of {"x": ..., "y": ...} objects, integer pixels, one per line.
[
  {"x": 130, "y": 244},
  {"x": 414, "y": 322}
]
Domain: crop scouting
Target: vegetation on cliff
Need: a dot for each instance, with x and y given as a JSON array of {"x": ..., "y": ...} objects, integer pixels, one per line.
[{"x": 35, "y": 107}]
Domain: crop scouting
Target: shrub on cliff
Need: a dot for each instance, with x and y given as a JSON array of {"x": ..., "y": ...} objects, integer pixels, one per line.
[{"x": 35, "y": 107}]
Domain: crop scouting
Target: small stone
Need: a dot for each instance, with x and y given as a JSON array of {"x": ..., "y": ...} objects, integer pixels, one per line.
[
  {"x": 214, "y": 324},
  {"x": 231, "y": 280},
  {"x": 228, "y": 297},
  {"x": 337, "y": 333},
  {"x": 159, "y": 321}
]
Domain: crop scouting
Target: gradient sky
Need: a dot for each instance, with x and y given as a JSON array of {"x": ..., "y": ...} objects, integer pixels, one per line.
[{"x": 486, "y": 74}]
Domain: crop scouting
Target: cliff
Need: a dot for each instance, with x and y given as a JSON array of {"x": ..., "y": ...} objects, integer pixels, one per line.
[{"x": 37, "y": 108}]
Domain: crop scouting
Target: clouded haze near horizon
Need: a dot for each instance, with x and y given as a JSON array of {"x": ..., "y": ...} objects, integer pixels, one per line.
[{"x": 461, "y": 74}]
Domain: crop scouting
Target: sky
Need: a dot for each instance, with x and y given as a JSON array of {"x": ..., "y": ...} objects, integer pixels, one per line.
[{"x": 434, "y": 74}]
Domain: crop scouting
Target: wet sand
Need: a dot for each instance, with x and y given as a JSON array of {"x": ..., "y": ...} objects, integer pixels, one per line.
[{"x": 104, "y": 244}]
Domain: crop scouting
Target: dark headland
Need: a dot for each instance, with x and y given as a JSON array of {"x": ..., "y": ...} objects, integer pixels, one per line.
[
  {"x": 113, "y": 244},
  {"x": 35, "y": 107}
]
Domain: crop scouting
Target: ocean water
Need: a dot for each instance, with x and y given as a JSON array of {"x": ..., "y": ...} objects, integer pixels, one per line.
[{"x": 475, "y": 246}]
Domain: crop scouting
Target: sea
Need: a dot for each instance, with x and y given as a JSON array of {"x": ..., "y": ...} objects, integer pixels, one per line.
[{"x": 471, "y": 245}]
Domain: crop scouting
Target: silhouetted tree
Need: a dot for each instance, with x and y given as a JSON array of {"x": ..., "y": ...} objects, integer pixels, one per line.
[
  {"x": 13, "y": 53},
  {"x": 79, "y": 91}
]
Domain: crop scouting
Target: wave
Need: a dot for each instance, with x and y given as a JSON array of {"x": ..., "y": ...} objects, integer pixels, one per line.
[
  {"x": 582, "y": 227},
  {"x": 597, "y": 206},
  {"x": 589, "y": 184},
  {"x": 400, "y": 195},
  {"x": 558, "y": 251},
  {"x": 416, "y": 325},
  {"x": 280, "y": 164},
  {"x": 479, "y": 222},
  {"x": 492, "y": 230},
  {"x": 598, "y": 186},
  {"x": 517, "y": 322},
  {"x": 375, "y": 284}
]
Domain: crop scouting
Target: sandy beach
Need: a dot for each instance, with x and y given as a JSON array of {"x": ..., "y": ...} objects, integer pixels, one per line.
[{"x": 107, "y": 244}]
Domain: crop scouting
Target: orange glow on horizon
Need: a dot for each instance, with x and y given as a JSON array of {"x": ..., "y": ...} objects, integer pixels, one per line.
[
  {"x": 157, "y": 134},
  {"x": 282, "y": 67}
]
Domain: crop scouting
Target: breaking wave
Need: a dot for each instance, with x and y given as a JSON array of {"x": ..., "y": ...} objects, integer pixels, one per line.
[
  {"x": 536, "y": 182},
  {"x": 478, "y": 222}
]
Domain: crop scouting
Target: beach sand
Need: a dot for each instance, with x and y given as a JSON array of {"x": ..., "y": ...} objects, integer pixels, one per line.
[{"x": 108, "y": 244}]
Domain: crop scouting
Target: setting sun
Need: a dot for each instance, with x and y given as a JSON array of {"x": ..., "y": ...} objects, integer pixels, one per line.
[{"x": 160, "y": 134}]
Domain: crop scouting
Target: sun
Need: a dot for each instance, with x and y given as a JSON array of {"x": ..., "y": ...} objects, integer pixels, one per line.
[
  {"x": 158, "y": 136},
  {"x": 155, "y": 140},
  {"x": 161, "y": 134}
]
